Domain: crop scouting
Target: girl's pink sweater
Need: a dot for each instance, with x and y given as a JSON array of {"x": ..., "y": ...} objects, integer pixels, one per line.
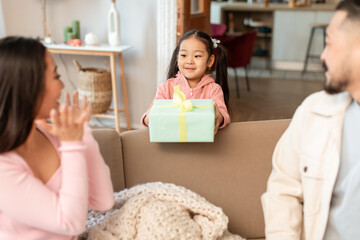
[
  {"x": 30, "y": 209},
  {"x": 206, "y": 89}
]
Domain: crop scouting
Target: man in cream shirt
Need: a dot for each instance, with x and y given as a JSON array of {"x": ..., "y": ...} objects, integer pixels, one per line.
[{"x": 313, "y": 191}]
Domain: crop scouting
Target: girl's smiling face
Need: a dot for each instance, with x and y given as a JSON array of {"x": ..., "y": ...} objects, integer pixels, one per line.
[{"x": 193, "y": 59}]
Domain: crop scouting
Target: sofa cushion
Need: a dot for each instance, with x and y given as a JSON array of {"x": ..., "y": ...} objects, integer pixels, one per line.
[
  {"x": 231, "y": 173},
  {"x": 110, "y": 147}
]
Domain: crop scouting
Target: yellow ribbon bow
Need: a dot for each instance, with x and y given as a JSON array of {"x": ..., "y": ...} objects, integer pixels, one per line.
[{"x": 180, "y": 100}]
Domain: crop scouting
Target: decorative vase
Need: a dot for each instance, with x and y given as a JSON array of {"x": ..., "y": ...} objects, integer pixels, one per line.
[{"x": 113, "y": 25}]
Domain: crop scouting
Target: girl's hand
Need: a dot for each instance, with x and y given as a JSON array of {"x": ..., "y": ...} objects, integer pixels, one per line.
[
  {"x": 146, "y": 120},
  {"x": 68, "y": 122},
  {"x": 218, "y": 119}
]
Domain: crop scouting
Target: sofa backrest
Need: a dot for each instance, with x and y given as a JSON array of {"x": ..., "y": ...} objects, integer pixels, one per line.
[
  {"x": 231, "y": 173},
  {"x": 110, "y": 147}
]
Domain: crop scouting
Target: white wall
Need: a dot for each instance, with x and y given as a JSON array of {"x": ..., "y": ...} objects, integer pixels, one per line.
[
  {"x": 2, "y": 26},
  {"x": 292, "y": 32},
  {"x": 138, "y": 28}
]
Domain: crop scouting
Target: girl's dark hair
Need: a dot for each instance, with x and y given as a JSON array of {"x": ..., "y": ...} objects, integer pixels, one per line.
[
  {"x": 22, "y": 73},
  {"x": 220, "y": 60}
]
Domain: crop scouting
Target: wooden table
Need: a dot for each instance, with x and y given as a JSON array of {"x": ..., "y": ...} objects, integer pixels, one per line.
[{"x": 103, "y": 50}]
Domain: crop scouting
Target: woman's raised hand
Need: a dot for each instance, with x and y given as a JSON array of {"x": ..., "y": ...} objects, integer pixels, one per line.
[
  {"x": 68, "y": 121},
  {"x": 76, "y": 106}
]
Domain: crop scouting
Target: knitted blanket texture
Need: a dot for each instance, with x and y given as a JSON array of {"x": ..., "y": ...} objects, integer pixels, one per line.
[{"x": 159, "y": 211}]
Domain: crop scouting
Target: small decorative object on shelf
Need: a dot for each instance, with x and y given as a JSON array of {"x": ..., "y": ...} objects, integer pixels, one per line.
[
  {"x": 231, "y": 23},
  {"x": 46, "y": 30},
  {"x": 113, "y": 25},
  {"x": 72, "y": 32},
  {"x": 265, "y": 30},
  {"x": 67, "y": 30},
  {"x": 47, "y": 36},
  {"x": 48, "y": 40},
  {"x": 291, "y": 3},
  {"x": 303, "y": 3},
  {"x": 95, "y": 83},
  {"x": 70, "y": 35},
  {"x": 266, "y": 3},
  {"x": 74, "y": 42},
  {"x": 91, "y": 39},
  {"x": 76, "y": 28}
]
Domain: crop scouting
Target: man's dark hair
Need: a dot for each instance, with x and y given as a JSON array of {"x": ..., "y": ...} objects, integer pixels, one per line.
[
  {"x": 352, "y": 7},
  {"x": 22, "y": 73}
]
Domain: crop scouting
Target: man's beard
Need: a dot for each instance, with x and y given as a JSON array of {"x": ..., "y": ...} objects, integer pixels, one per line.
[{"x": 340, "y": 86}]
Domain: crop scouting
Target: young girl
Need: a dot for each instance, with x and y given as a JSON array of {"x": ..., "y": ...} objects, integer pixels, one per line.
[
  {"x": 190, "y": 68},
  {"x": 49, "y": 174}
]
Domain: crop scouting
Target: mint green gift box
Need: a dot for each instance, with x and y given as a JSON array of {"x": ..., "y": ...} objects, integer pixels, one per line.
[{"x": 164, "y": 121}]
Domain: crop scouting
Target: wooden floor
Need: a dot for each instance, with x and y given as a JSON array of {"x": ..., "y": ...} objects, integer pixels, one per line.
[{"x": 269, "y": 98}]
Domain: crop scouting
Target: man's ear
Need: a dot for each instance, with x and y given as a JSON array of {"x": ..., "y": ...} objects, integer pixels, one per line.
[{"x": 211, "y": 61}]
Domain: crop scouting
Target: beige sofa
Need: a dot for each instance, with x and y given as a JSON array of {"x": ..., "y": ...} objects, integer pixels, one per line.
[{"x": 231, "y": 172}]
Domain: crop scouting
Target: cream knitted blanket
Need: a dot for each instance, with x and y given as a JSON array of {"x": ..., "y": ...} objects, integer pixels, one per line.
[{"x": 159, "y": 211}]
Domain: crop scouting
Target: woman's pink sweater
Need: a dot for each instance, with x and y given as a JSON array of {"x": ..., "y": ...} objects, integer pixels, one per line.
[
  {"x": 206, "y": 89},
  {"x": 30, "y": 209}
]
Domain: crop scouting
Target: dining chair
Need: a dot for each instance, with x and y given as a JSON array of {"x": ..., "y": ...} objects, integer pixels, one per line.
[
  {"x": 218, "y": 29},
  {"x": 240, "y": 49}
]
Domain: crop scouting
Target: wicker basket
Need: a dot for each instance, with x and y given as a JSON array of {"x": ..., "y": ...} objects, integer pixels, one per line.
[{"x": 95, "y": 83}]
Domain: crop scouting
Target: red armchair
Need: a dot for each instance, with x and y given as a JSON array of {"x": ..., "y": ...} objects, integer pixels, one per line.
[
  {"x": 240, "y": 49},
  {"x": 218, "y": 29}
]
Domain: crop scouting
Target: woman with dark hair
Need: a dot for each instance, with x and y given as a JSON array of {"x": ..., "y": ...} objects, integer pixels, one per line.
[
  {"x": 49, "y": 174},
  {"x": 190, "y": 68}
]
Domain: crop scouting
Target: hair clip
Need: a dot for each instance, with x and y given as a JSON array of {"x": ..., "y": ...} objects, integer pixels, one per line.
[{"x": 215, "y": 42}]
